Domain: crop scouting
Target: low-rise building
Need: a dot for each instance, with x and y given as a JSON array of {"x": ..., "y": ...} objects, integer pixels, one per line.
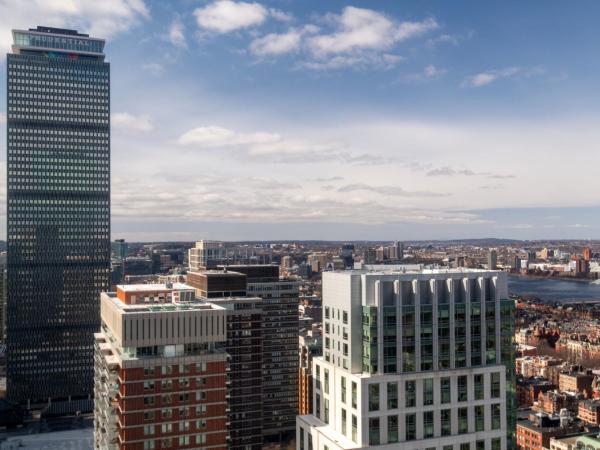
[
  {"x": 576, "y": 381},
  {"x": 589, "y": 411},
  {"x": 529, "y": 389},
  {"x": 589, "y": 441},
  {"x": 536, "y": 366},
  {"x": 564, "y": 442},
  {"x": 553, "y": 402},
  {"x": 535, "y": 433}
]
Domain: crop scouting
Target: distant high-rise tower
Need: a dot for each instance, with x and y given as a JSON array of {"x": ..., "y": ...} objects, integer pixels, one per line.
[
  {"x": 492, "y": 261},
  {"x": 58, "y": 213},
  {"x": 369, "y": 256},
  {"x": 120, "y": 249},
  {"x": 347, "y": 255},
  {"x": 399, "y": 250}
]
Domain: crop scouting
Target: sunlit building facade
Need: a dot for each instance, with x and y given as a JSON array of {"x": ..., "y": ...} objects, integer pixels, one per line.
[
  {"x": 160, "y": 370},
  {"x": 413, "y": 360}
]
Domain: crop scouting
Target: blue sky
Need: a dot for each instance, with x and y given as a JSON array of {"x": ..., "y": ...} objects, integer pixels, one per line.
[{"x": 344, "y": 120}]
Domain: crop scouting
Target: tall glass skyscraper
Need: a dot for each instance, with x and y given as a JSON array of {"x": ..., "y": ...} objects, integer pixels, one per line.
[{"x": 58, "y": 212}]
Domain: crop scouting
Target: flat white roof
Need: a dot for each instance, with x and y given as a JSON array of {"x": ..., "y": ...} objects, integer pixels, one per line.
[
  {"x": 411, "y": 270},
  {"x": 82, "y": 439},
  {"x": 154, "y": 287},
  {"x": 198, "y": 305}
]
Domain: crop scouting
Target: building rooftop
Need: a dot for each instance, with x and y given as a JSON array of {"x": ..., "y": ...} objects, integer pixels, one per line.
[
  {"x": 217, "y": 273},
  {"x": 414, "y": 269},
  {"x": 195, "y": 305},
  {"x": 570, "y": 440},
  {"x": 533, "y": 426},
  {"x": 54, "y": 30},
  {"x": 50, "y": 41},
  {"x": 154, "y": 287},
  {"x": 590, "y": 402},
  {"x": 82, "y": 439},
  {"x": 329, "y": 432}
]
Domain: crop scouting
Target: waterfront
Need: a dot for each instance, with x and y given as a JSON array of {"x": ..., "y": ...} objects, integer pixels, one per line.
[{"x": 564, "y": 291}]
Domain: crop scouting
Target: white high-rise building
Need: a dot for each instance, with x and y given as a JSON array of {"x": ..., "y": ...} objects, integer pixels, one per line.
[{"x": 413, "y": 360}]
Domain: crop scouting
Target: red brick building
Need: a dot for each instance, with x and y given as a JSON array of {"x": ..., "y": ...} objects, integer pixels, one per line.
[
  {"x": 551, "y": 402},
  {"x": 529, "y": 389},
  {"x": 535, "y": 433},
  {"x": 589, "y": 411},
  {"x": 575, "y": 381},
  {"x": 160, "y": 377}
]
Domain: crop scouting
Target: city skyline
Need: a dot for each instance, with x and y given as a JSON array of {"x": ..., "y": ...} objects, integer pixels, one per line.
[{"x": 279, "y": 120}]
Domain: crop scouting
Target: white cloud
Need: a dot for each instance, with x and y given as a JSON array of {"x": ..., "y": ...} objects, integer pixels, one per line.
[
  {"x": 224, "y": 16},
  {"x": 358, "y": 61},
  {"x": 292, "y": 157},
  {"x": 389, "y": 190},
  {"x": 408, "y": 30},
  {"x": 430, "y": 72},
  {"x": 276, "y": 44},
  {"x": 214, "y": 136},
  {"x": 451, "y": 39},
  {"x": 516, "y": 226},
  {"x": 358, "y": 38},
  {"x": 128, "y": 122},
  {"x": 448, "y": 171},
  {"x": 483, "y": 78},
  {"x": 490, "y": 76},
  {"x": 102, "y": 19},
  {"x": 274, "y": 148},
  {"x": 359, "y": 29},
  {"x": 177, "y": 34},
  {"x": 443, "y": 39},
  {"x": 2, "y": 117},
  {"x": 154, "y": 68},
  {"x": 280, "y": 15},
  {"x": 261, "y": 200}
]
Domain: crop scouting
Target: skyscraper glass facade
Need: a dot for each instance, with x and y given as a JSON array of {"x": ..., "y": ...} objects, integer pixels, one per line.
[{"x": 58, "y": 211}]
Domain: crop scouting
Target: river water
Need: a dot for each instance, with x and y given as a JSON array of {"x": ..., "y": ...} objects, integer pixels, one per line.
[{"x": 564, "y": 291}]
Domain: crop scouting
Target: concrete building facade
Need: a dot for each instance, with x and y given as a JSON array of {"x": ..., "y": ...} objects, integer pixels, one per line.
[{"x": 417, "y": 360}]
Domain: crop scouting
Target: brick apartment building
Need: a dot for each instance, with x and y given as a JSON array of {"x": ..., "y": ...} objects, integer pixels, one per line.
[
  {"x": 528, "y": 390},
  {"x": 552, "y": 402},
  {"x": 244, "y": 346},
  {"x": 576, "y": 381},
  {"x": 279, "y": 332},
  {"x": 160, "y": 371},
  {"x": 535, "y": 433},
  {"x": 589, "y": 411}
]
